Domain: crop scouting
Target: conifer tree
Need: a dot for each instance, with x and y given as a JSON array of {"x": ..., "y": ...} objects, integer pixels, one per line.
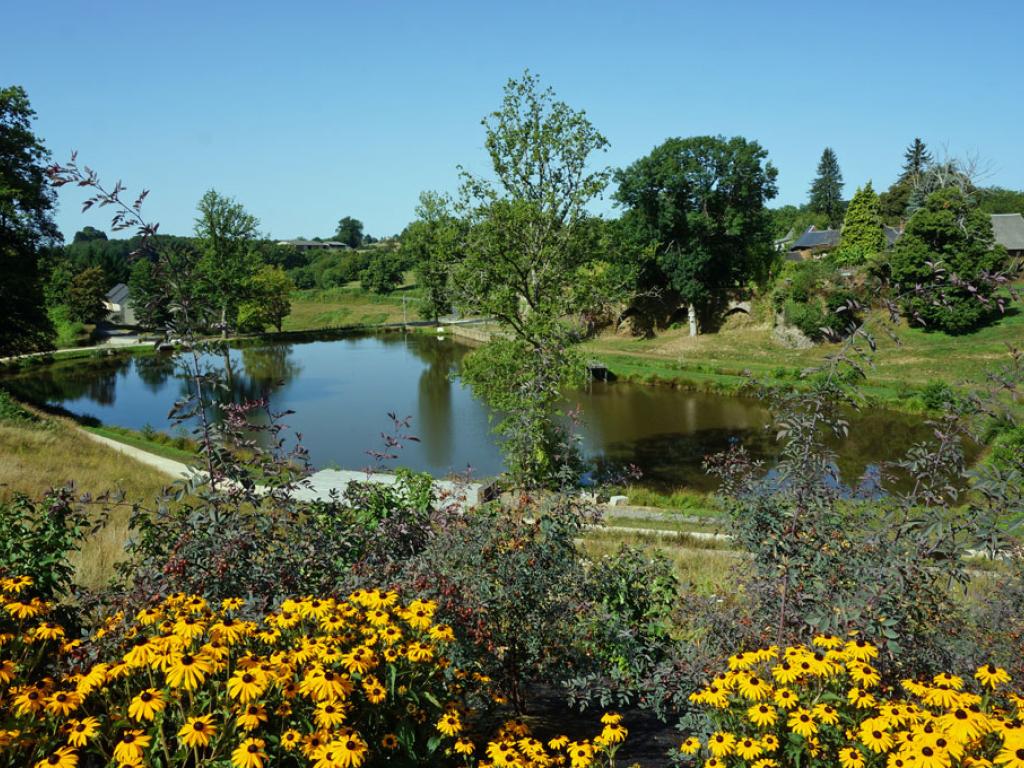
[
  {"x": 827, "y": 189},
  {"x": 863, "y": 236},
  {"x": 915, "y": 160}
]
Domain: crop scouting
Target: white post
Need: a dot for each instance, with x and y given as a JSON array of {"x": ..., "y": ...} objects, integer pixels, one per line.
[{"x": 691, "y": 311}]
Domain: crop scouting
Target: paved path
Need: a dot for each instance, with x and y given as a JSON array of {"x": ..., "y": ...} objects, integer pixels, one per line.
[{"x": 169, "y": 467}]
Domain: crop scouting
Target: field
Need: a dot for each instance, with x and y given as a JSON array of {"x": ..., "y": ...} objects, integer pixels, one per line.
[
  {"x": 38, "y": 452},
  {"x": 350, "y": 305}
]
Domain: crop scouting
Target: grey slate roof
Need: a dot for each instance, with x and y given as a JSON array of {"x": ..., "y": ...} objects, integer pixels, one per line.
[
  {"x": 816, "y": 238},
  {"x": 118, "y": 294},
  {"x": 1008, "y": 229}
]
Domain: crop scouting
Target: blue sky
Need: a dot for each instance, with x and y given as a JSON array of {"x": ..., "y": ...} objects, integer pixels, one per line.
[{"x": 309, "y": 111}]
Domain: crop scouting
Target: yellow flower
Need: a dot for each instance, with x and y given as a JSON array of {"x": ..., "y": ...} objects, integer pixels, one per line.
[
  {"x": 462, "y": 746},
  {"x": 64, "y": 757},
  {"x": 559, "y": 742},
  {"x": 329, "y": 715},
  {"x": 290, "y": 739},
  {"x": 754, "y": 688},
  {"x": 247, "y": 684},
  {"x": 828, "y": 642},
  {"x": 80, "y": 732},
  {"x": 770, "y": 742},
  {"x": 860, "y": 698},
  {"x": 1011, "y": 758},
  {"x": 147, "y": 705},
  {"x": 63, "y": 703},
  {"x": 689, "y": 747},
  {"x": 197, "y": 731},
  {"x": 992, "y": 676},
  {"x": 48, "y": 631},
  {"x": 188, "y": 670},
  {"x": 748, "y": 749},
  {"x": 785, "y": 698},
  {"x": 449, "y": 724},
  {"x": 849, "y": 757},
  {"x": 350, "y": 750},
  {"x": 874, "y": 736},
  {"x": 721, "y": 743},
  {"x": 826, "y": 714},
  {"x": 801, "y": 722},
  {"x": 132, "y": 746},
  {"x": 252, "y": 717},
  {"x": 860, "y": 650},
  {"x": 763, "y": 715},
  {"x": 581, "y": 754},
  {"x": 249, "y": 754},
  {"x": 613, "y": 733}
]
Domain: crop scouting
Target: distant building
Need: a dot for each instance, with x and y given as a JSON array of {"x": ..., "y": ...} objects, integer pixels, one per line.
[
  {"x": 1008, "y": 229},
  {"x": 118, "y": 305},
  {"x": 309, "y": 245},
  {"x": 813, "y": 243}
]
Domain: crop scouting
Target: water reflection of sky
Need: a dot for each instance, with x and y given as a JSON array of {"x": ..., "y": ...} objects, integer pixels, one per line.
[{"x": 342, "y": 390}]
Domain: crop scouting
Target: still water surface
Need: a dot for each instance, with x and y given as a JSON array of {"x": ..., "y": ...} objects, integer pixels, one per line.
[{"x": 341, "y": 391}]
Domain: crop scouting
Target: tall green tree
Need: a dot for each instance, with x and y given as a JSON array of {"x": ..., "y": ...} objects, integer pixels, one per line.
[
  {"x": 827, "y": 189},
  {"x": 916, "y": 159},
  {"x": 433, "y": 242},
  {"x": 86, "y": 294},
  {"x": 349, "y": 232},
  {"x": 893, "y": 203},
  {"x": 26, "y": 227},
  {"x": 949, "y": 233},
  {"x": 268, "y": 300},
  {"x": 697, "y": 207},
  {"x": 382, "y": 274},
  {"x": 863, "y": 237},
  {"x": 531, "y": 261},
  {"x": 226, "y": 232}
]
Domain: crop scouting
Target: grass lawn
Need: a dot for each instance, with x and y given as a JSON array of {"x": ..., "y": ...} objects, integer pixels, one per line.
[
  {"x": 721, "y": 361},
  {"x": 316, "y": 309},
  {"x": 43, "y": 451}
]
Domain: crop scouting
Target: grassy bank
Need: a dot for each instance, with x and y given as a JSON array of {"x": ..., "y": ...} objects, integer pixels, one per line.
[
  {"x": 39, "y": 451},
  {"x": 725, "y": 361}
]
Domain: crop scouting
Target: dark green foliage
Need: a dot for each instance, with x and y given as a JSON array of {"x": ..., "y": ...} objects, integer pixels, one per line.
[
  {"x": 826, "y": 195},
  {"x": 38, "y": 538},
  {"x": 811, "y": 296},
  {"x": 85, "y": 296},
  {"x": 999, "y": 200},
  {"x": 267, "y": 300},
  {"x": 915, "y": 160},
  {"x": 350, "y": 232},
  {"x": 951, "y": 234},
  {"x": 509, "y": 582},
  {"x": 695, "y": 213},
  {"x": 433, "y": 243},
  {"x": 382, "y": 275},
  {"x": 26, "y": 226},
  {"x": 225, "y": 232}
]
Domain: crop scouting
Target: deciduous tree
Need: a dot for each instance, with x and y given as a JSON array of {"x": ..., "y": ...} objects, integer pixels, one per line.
[
  {"x": 26, "y": 226},
  {"x": 85, "y": 296},
  {"x": 698, "y": 205},
  {"x": 433, "y": 243},
  {"x": 268, "y": 299},
  {"x": 349, "y": 232},
  {"x": 226, "y": 232}
]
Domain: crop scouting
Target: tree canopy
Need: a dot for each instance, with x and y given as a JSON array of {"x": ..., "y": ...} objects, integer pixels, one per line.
[
  {"x": 827, "y": 189},
  {"x": 696, "y": 206},
  {"x": 26, "y": 226},
  {"x": 349, "y": 232},
  {"x": 951, "y": 234}
]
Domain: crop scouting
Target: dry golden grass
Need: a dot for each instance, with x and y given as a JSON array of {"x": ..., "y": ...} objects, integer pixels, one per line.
[{"x": 35, "y": 458}]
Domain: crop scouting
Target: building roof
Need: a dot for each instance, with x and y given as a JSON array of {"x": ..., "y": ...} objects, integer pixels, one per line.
[
  {"x": 1008, "y": 229},
  {"x": 118, "y": 294},
  {"x": 816, "y": 238},
  {"x": 314, "y": 243}
]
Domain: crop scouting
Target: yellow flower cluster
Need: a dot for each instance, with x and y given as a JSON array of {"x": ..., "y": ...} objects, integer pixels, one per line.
[
  {"x": 320, "y": 682},
  {"x": 824, "y": 705}
]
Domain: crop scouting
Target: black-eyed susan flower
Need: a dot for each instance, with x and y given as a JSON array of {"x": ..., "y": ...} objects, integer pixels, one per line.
[
  {"x": 850, "y": 757},
  {"x": 252, "y": 717},
  {"x": 147, "y": 705},
  {"x": 249, "y": 754},
  {"x": 449, "y": 724},
  {"x": 247, "y": 685},
  {"x": 81, "y": 732},
  {"x": 197, "y": 731},
  {"x": 351, "y": 750},
  {"x": 188, "y": 670},
  {"x": 63, "y": 757},
  {"x": 690, "y": 745},
  {"x": 801, "y": 722},
  {"x": 131, "y": 747},
  {"x": 721, "y": 743},
  {"x": 762, "y": 715},
  {"x": 748, "y": 749},
  {"x": 389, "y": 741},
  {"x": 992, "y": 676}
]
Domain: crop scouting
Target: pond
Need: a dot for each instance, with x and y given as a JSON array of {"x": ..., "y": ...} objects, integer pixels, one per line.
[{"x": 342, "y": 390}]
